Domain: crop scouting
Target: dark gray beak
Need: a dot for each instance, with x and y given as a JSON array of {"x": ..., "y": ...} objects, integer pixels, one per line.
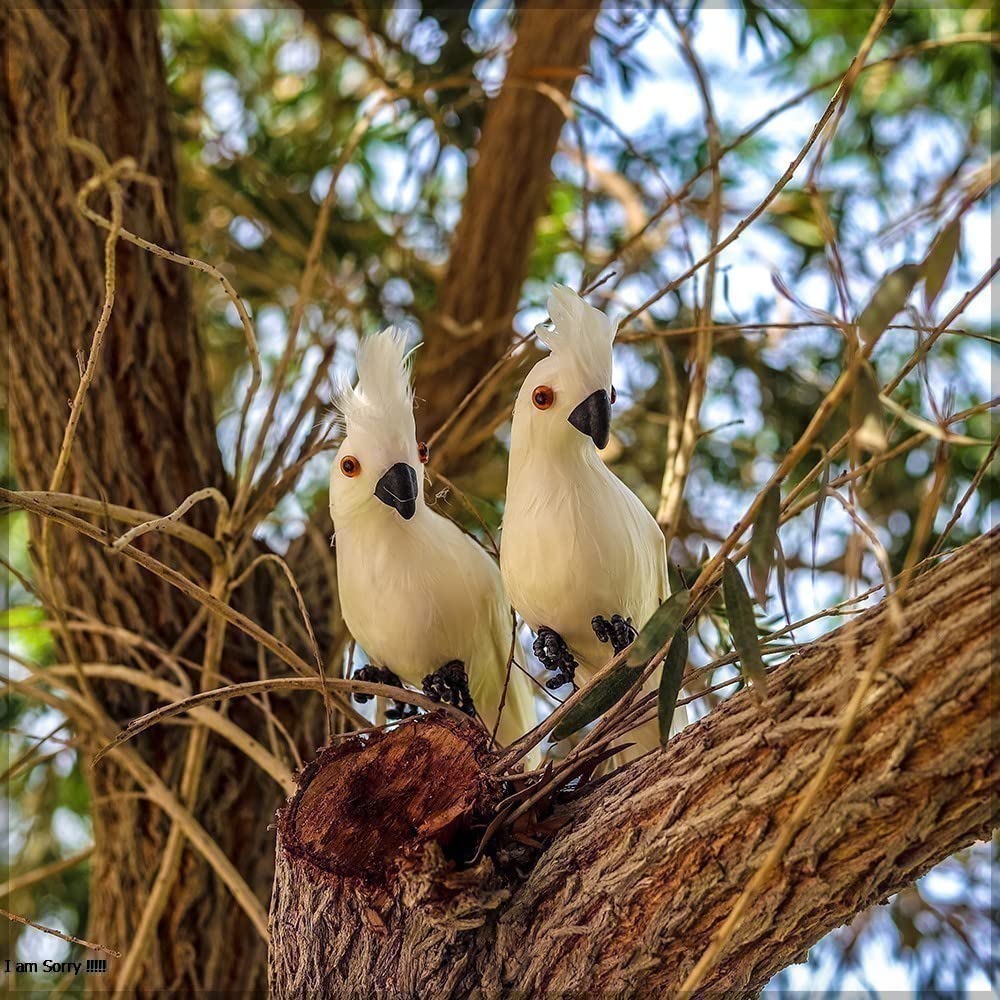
[
  {"x": 398, "y": 488},
  {"x": 593, "y": 417}
]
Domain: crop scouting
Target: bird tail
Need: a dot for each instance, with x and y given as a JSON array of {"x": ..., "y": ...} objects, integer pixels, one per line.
[{"x": 518, "y": 715}]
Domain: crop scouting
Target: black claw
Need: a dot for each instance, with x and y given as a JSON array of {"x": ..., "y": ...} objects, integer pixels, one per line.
[
  {"x": 383, "y": 675},
  {"x": 450, "y": 684},
  {"x": 553, "y": 653},
  {"x": 618, "y": 631}
]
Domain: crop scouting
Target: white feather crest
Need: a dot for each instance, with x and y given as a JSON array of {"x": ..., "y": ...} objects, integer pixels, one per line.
[
  {"x": 582, "y": 334},
  {"x": 382, "y": 400}
]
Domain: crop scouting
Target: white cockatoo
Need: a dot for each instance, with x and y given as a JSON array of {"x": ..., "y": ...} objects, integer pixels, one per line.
[
  {"x": 584, "y": 562},
  {"x": 422, "y": 598}
]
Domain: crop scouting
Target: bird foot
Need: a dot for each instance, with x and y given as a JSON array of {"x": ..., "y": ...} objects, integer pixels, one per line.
[
  {"x": 553, "y": 653},
  {"x": 383, "y": 675},
  {"x": 618, "y": 631},
  {"x": 450, "y": 684}
]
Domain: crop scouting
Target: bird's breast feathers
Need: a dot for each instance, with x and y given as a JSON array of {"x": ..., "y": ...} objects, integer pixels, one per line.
[
  {"x": 414, "y": 600},
  {"x": 580, "y": 548}
]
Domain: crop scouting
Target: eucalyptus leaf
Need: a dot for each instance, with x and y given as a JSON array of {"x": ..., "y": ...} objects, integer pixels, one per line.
[
  {"x": 782, "y": 586},
  {"x": 674, "y": 577},
  {"x": 887, "y": 301},
  {"x": 661, "y": 626},
  {"x": 744, "y": 628},
  {"x": 763, "y": 542},
  {"x": 670, "y": 683},
  {"x": 597, "y": 699},
  {"x": 939, "y": 259},
  {"x": 866, "y": 412}
]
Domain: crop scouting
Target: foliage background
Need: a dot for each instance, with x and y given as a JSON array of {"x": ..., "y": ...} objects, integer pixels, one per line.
[{"x": 264, "y": 101}]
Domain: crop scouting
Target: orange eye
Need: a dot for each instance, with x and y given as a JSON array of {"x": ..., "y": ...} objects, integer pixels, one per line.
[
  {"x": 350, "y": 466},
  {"x": 614, "y": 395},
  {"x": 423, "y": 452},
  {"x": 543, "y": 397}
]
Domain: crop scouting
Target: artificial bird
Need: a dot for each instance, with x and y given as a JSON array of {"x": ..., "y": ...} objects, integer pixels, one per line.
[
  {"x": 422, "y": 598},
  {"x": 584, "y": 562}
]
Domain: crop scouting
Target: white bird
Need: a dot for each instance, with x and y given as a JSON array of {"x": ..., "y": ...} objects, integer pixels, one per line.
[
  {"x": 422, "y": 598},
  {"x": 584, "y": 562}
]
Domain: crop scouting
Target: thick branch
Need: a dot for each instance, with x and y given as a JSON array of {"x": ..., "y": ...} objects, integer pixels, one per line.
[
  {"x": 656, "y": 858},
  {"x": 651, "y": 861},
  {"x": 507, "y": 192}
]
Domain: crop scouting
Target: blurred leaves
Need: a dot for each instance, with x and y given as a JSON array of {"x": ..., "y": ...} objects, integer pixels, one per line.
[
  {"x": 887, "y": 301},
  {"x": 939, "y": 260},
  {"x": 866, "y": 411}
]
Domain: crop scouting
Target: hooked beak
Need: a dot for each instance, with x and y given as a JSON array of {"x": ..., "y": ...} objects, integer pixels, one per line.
[
  {"x": 398, "y": 488},
  {"x": 593, "y": 417}
]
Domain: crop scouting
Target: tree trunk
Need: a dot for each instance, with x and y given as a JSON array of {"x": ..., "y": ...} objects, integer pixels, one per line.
[
  {"x": 473, "y": 316},
  {"x": 146, "y": 440},
  {"x": 647, "y": 864}
]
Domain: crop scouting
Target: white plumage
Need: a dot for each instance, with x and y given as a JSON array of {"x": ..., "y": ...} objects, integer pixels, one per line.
[
  {"x": 576, "y": 541},
  {"x": 415, "y": 591}
]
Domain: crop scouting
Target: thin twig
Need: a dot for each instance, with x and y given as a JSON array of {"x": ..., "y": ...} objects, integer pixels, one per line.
[
  {"x": 775, "y": 190},
  {"x": 272, "y": 557},
  {"x": 298, "y": 311},
  {"x": 206, "y": 493},
  {"x": 59, "y": 934}
]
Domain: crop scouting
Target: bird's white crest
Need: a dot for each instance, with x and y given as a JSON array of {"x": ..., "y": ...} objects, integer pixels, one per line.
[
  {"x": 380, "y": 406},
  {"x": 582, "y": 335}
]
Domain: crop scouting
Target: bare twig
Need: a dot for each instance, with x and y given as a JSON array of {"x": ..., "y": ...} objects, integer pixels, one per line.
[
  {"x": 206, "y": 493},
  {"x": 140, "y": 725},
  {"x": 59, "y": 934},
  {"x": 776, "y": 188}
]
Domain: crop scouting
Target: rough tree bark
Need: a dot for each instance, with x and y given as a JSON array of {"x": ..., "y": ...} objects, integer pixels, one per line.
[
  {"x": 508, "y": 187},
  {"x": 146, "y": 440},
  {"x": 147, "y": 435},
  {"x": 627, "y": 894}
]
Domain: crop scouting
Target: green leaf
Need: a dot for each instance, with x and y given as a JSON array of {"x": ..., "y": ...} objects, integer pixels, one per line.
[
  {"x": 599, "y": 697},
  {"x": 763, "y": 541},
  {"x": 782, "y": 588},
  {"x": 674, "y": 577},
  {"x": 744, "y": 628},
  {"x": 939, "y": 259},
  {"x": 887, "y": 300},
  {"x": 866, "y": 412},
  {"x": 665, "y": 621},
  {"x": 670, "y": 683}
]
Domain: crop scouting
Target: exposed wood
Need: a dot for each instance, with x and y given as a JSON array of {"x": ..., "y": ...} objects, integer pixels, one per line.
[
  {"x": 366, "y": 807},
  {"x": 373, "y": 834},
  {"x": 508, "y": 186},
  {"x": 627, "y": 895}
]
